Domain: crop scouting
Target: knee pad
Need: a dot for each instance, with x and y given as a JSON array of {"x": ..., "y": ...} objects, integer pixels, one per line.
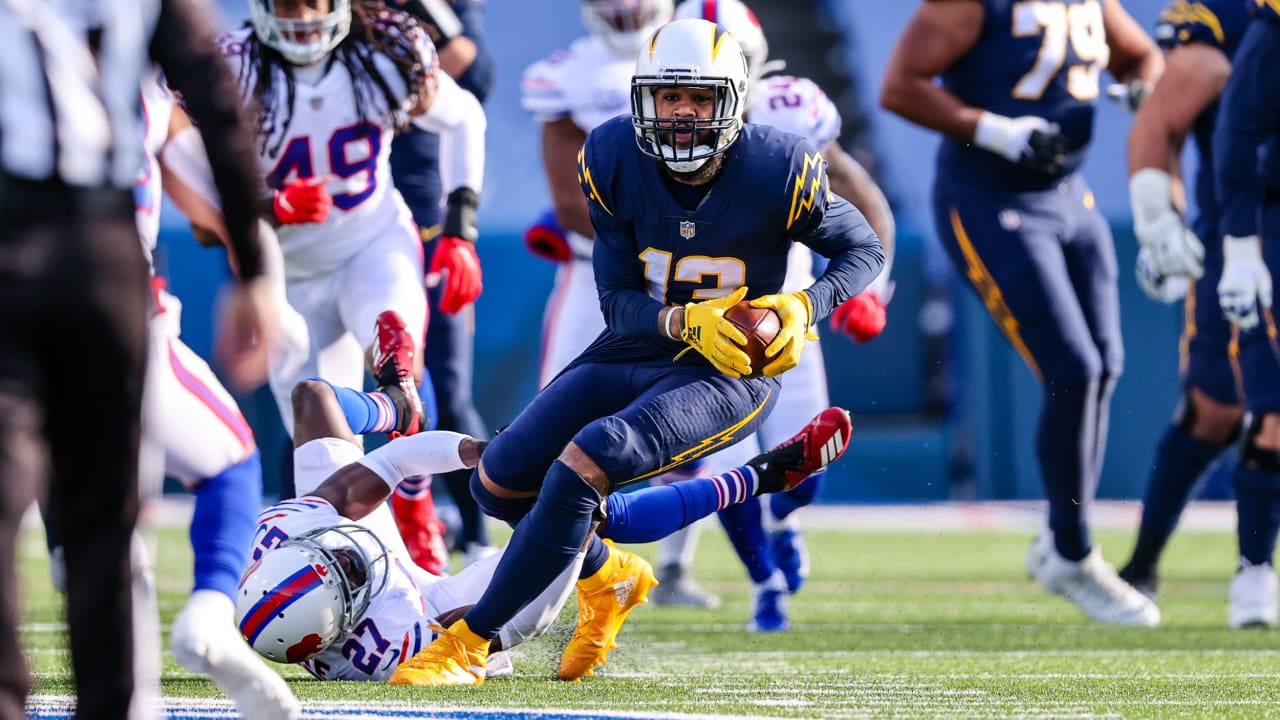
[
  {"x": 1262, "y": 458},
  {"x": 620, "y": 451},
  {"x": 508, "y": 510}
]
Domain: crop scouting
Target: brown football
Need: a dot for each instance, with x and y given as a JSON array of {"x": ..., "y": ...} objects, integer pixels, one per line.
[{"x": 761, "y": 326}]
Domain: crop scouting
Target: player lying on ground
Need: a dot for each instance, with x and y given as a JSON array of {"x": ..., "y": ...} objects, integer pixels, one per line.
[{"x": 343, "y": 599}]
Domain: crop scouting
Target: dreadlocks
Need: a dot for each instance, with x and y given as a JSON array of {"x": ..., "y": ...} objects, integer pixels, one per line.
[{"x": 375, "y": 30}]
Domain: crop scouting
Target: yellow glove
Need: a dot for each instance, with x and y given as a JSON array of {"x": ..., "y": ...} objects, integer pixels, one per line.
[
  {"x": 796, "y": 314},
  {"x": 706, "y": 331}
]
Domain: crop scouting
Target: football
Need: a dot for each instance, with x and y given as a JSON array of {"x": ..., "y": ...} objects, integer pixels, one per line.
[{"x": 761, "y": 326}]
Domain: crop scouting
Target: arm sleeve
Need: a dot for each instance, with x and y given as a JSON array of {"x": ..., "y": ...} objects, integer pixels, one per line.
[
  {"x": 184, "y": 47},
  {"x": 457, "y": 117},
  {"x": 855, "y": 255},
  {"x": 1248, "y": 117}
]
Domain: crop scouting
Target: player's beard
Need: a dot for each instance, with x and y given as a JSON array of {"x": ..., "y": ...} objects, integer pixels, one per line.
[{"x": 702, "y": 175}]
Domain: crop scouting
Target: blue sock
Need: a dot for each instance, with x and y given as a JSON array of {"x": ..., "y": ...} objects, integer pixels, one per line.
[
  {"x": 226, "y": 513},
  {"x": 427, "y": 396},
  {"x": 655, "y": 512},
  {"x": 365, "y": 412},
  {"x": 1066, "y": 444},
  {"x": 742, "y": 523},
  {"x": 545, "y": 542},
  {"x": 1258, "y": 512},
  {"x": 1180, "y": 460},
  {"x": 784, "y": 503}
]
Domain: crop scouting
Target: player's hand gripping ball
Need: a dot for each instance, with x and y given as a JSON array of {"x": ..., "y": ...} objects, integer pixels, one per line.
[{"x": 760, "y": 326}]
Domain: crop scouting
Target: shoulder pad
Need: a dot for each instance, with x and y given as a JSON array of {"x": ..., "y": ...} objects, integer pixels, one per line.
[
  {"x": 796, "y": 105},
  {"x": 1183, "y": 23},
  {"x": 807, "y": 186}
]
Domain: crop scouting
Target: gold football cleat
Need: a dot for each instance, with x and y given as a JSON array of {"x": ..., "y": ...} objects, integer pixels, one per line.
[
  {"x": 604, "y": 601},
  {"x": 456, "y": 657}
]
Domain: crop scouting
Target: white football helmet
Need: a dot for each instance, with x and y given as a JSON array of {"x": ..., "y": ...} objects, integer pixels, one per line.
[
  {"x": 625, "y": 25},
  {"x": 738, "y": 19},
  {"x": 310, "y": 591},
  {"x": 689, "y": 53},
  {"x": 301, "y": 42}
]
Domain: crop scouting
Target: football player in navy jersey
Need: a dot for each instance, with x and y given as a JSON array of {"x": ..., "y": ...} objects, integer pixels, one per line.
[
  {"x": 1247, "y": 178},
  {"x": 693, "y": 212},
  {"x": 1199, "y": 40},
  {"x": 1015, "y": 106}
]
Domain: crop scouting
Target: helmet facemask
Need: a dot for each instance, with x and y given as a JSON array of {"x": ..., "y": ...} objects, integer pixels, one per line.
[
  {"x": 301, "y": 41},
  {"x": 625, "y": 25},
  {"x": 711, "y": 136}
]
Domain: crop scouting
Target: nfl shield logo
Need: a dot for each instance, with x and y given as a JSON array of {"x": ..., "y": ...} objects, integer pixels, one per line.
[{"x": 687, "y": 229}]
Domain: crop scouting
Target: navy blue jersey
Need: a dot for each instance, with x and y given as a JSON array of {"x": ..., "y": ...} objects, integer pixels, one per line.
[
  {"x": 1219, "y": 24},
  {"x": 1032, "y": 58},
  {"x": 650, "y": 252},
  {"x": 1266, "y": 9},
  {"x": 1246, "y": 143}
]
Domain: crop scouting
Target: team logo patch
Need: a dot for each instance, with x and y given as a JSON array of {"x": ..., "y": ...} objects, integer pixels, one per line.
[
  {"x": 687, "y": 229},
  {"x": 1010, "y": 220}
]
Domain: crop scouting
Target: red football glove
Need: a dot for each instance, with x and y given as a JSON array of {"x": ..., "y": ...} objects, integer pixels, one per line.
[
  {"x": 861, "y": 317},
  {"x": 302, "y": 201},
  {"x": 545, "y": 238},
  {"x": 456, "y": 263}
]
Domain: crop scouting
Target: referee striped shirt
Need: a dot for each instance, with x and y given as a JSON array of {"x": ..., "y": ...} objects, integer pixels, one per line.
[
  {"x": 70, "y": 83},
  {"x": 69, "y": 79}
]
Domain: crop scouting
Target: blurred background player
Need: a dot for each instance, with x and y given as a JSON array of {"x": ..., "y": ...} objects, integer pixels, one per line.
[
  {"x": 570, "y": 92},
  {"x": 374, "y": 609},
  {"x": 1015, "y": 106},
  {"x": 1199, "y": 41},
  {"x": 193, "y": 430},
  {"x": 456, "y": 29},
  {"x": 637, "y": 402},
  {"x": 1249, "y": 198},
  {"x": 766, "y": 535},
  {"x": 351, "y": 253}
]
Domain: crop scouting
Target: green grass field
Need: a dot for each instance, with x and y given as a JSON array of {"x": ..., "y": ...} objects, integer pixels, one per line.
[{"x": 891, "y": 624}]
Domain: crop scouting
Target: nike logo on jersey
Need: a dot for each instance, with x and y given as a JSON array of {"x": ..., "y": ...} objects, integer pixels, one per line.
[{"x": 393, "y": 660}]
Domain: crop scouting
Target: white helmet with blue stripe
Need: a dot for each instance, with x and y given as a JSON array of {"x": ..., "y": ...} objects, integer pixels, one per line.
[{"x": 310, "y": 591}]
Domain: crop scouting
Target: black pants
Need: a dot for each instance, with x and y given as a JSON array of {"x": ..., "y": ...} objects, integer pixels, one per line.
[{"x": 72, "y": 353}]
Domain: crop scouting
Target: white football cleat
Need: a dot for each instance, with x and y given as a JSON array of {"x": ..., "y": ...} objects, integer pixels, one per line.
[
  {"x": 205, "y": 640},
  {"x": 1255, "y": 596},
  {"x": 498, "y": 665},
  {"x": 1091, "y": 584}
]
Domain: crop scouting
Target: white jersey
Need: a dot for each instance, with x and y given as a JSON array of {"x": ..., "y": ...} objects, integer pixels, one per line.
[
  {"x": 327, "y": 138},
  {"x": 157, "y": 108},
  {"x": 396, "y": 625},
  {"x": 795, "y": 105},
  {"x": 589, "y": 84},
  {"x": 798, "y": 106}
]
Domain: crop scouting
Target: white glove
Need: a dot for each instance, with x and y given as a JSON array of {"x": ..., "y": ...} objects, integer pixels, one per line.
[
  {"x": 1161, "y": 288},
  {"x": 1027, "y": 140},
  {"x": 1245, "y": 283},
  {"x": 1172, "y": 248}
]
